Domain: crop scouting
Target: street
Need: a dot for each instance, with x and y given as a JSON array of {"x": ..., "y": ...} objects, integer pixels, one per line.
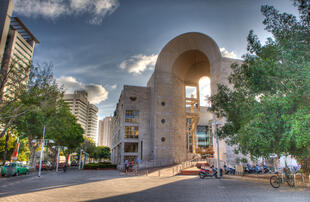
[{"x": 109, "y": 185}]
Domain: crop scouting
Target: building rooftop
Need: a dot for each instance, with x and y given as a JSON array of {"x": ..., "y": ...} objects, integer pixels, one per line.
[{"x": 18, "y": 25}]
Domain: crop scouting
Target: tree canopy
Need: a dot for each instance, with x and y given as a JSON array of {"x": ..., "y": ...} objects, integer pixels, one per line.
[{"x": 267, "y": 106}]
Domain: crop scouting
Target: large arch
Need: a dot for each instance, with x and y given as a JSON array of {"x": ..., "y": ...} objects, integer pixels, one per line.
[{"x": 184, "y": 60}]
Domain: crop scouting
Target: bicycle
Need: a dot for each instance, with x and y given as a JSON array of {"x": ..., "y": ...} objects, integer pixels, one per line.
[{"x": 276, "y": 180}]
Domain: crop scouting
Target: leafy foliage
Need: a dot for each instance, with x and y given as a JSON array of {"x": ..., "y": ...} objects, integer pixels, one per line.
[
  {"x": 268, "y": 109},
  {"x": 103, "y": 152},
  {"x": 64, "y": 129}
]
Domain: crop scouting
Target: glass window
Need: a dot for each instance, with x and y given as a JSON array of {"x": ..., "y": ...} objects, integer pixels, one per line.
[
  {"x": 203, "y": 136},
  {"x": 132, "y": 116},
  {"x": 131, "y": 132},
  {"x": 131, "y": 147}
]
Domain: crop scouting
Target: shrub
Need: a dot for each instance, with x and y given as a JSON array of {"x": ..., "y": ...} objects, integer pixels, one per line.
[{"x": 99, "y": 165}]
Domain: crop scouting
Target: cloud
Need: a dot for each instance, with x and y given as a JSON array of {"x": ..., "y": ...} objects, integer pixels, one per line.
[
  {"x": 226, "y": 53},
  {"x": 49, "y": 8},
  {"x": 97, "y": 9},
  {"x": 96, "y": 93},
  {"x": 137, "y": 64}
]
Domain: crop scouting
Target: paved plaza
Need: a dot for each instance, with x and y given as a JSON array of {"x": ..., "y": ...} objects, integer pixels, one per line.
[{"x": 77, "y": 185}]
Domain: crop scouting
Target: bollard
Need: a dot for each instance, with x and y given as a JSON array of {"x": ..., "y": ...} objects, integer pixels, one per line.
[
  {"x": 302, "y": 178},
  {"x": 159, "y": 173},
  {"x": 294, "y": 179},
  {"x": 172, "y": 171},
  {"x": 147, "y": 172}
]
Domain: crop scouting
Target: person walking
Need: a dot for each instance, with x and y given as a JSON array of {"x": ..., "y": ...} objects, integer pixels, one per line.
[
  {"x": 65, "y": 167},
  {"x": 126, "y": 166}
]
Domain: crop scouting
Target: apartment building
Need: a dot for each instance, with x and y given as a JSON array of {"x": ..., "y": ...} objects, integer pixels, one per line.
[
  {"x": 85, "y": 112},
  {"x": 16, "y": 49}
]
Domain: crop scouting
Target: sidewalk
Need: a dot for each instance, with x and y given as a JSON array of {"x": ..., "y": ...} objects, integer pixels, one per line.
[{"x": 266, "y": 179}]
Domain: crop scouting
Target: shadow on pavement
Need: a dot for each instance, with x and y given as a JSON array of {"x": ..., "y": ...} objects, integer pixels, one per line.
[
  {"x": 50, "y": 180},
  {"x": 212, "y": 190}
]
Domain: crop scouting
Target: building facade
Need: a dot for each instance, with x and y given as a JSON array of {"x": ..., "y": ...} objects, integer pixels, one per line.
[
  {"x": 131, "y": 125},
  {"x": 85, "y": 112},
  {"x": 105, "y": 135},
  {"x": 159, "y": 122},
  {"x": 16, "y": 50}
]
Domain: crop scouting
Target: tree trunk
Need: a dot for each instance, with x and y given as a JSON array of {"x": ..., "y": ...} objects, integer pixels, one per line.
[
  {"x": 32, "y": 148},
  {"x": 6, "y": 148},
  {"x": 4, "y": 130}
]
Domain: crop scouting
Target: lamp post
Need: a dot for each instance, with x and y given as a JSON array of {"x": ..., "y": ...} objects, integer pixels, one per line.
[
  {"x": 41, "y": 155},
  {"x": 217, "y": 145},
  {"x": 42, "y": 150},
  {"x": 58, "y": 154},
  {"x": 80, "y": 159}
]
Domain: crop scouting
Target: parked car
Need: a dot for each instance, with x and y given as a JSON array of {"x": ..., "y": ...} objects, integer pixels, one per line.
[
  {"x": 46, "y": 165},
  {"x": 12, "y": 169},
  {"x": 74, "y": 163}
]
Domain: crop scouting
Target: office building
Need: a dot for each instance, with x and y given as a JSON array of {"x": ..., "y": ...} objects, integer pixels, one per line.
[
  {"x": 105, "y": 135},
  {"x": 16, "y": 50},
  {"x": 85, "y": 112}
]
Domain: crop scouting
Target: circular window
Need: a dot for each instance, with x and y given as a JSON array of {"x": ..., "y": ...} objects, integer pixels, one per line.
[
  {"x": 163, "y": 139},
  {"x": 163, "y": 121},
  {"x": 163, "y": 103},
  {"x": 133, "y": 98}
]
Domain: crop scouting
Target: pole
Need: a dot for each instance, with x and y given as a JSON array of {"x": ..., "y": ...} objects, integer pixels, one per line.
[
  {"x": 58, "y": 153},
  {"x": 80, "y": 159},
  {"x": 217, "y": 148},
  {"x": 41, "y": 155}
]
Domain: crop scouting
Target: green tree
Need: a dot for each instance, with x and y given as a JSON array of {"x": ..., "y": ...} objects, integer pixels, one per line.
[
  {"x": 103, "y": 152},
  {"x": 40, "y": 101},
  {"x": 24, "y": 152},
  {"x": 268, "y": 109},
  {"x": 7, "y": 144},
  {"x": 88, "y": 146},
  {"x": 13, "y": 79},
  {"x": 64, "y": 130}
]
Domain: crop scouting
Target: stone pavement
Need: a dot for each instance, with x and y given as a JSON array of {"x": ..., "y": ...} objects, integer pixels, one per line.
[{"x": 109, "y": 185}]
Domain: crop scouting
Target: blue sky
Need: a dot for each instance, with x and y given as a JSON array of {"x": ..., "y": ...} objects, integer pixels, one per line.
[{"x": 101, "y": 45}]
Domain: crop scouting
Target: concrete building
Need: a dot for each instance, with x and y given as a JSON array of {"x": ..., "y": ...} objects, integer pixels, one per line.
[
  {"x": 6, "y": 10},
  {"x": 16, "y": 49},
  {"x": 85, "y": 112},
  {"x": 105, "y": 134},
  {"x": 159, "y": 122}
]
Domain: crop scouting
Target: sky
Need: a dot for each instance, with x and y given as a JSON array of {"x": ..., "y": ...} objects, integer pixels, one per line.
[{"x": 101, "y": 45}]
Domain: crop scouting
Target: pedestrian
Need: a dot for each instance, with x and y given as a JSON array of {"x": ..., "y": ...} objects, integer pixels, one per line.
[
  {"x": 65, "y": 168},
  {"x": 131, "y": 164},
  {"x": 126, "y": 165}
]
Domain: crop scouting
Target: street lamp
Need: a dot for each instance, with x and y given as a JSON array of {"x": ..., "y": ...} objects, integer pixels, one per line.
[
  {"x": 217, "y": 145},
  {"x": 42, "y": 149},
  {"x": 86, "y": 155},
  {"x": 80, "y": 158}
]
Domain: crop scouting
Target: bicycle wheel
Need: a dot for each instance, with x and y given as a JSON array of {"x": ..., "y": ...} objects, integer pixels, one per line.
[
  {"x": 290, "y": 181},
  {"x": 275, "y": 181}
]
